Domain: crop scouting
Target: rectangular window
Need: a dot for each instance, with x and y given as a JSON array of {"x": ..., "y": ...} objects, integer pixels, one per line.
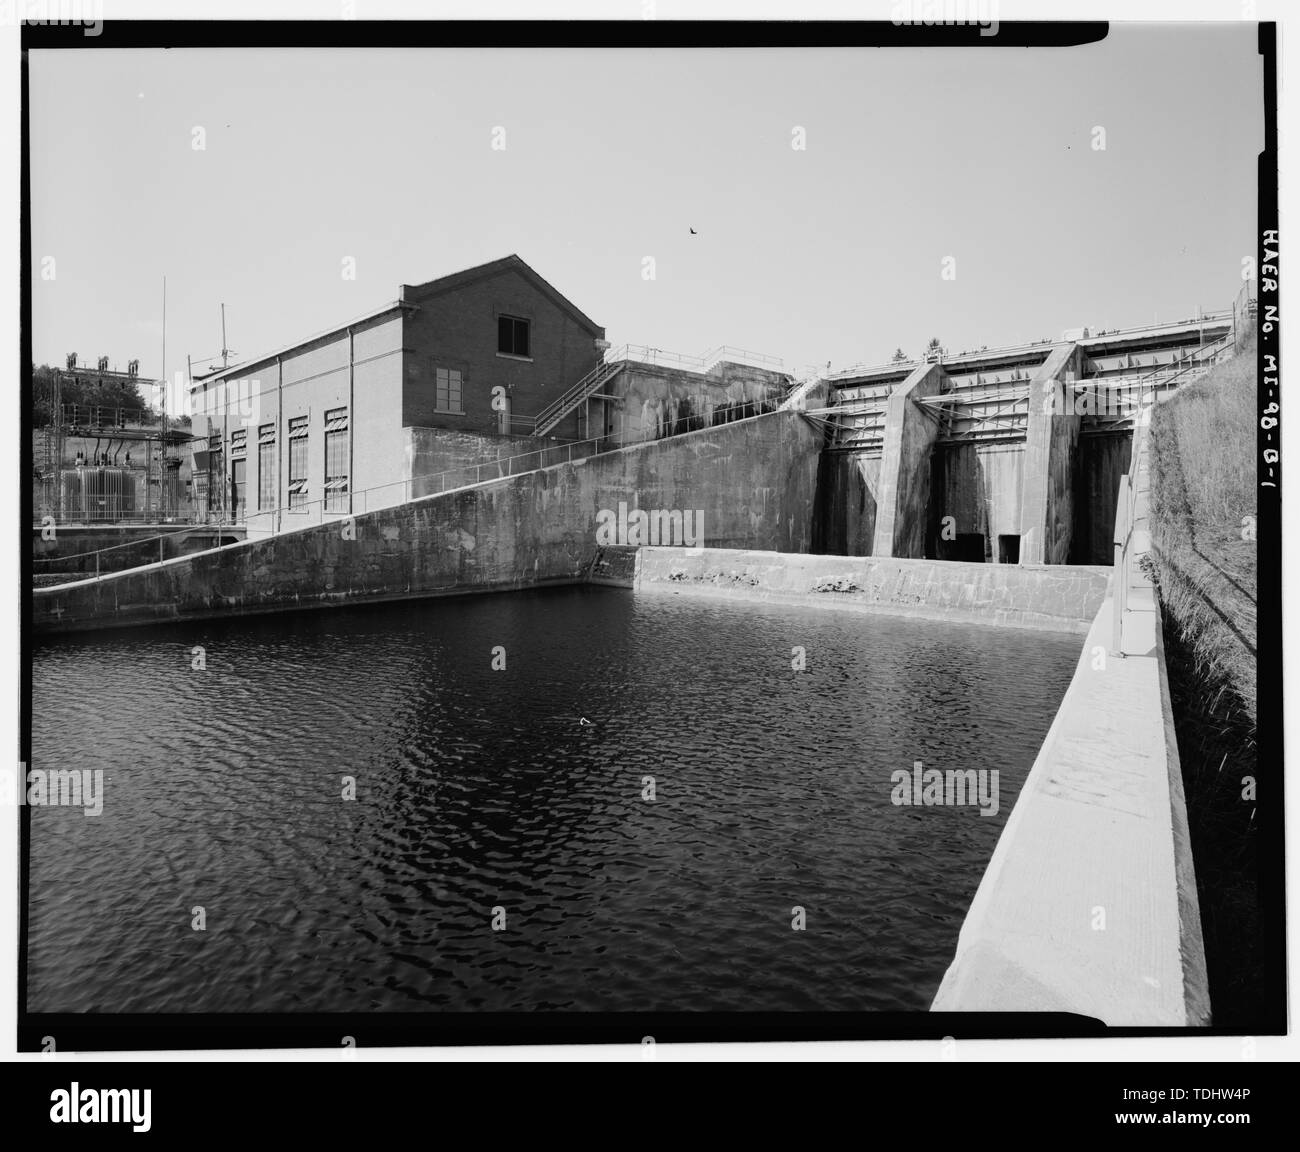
[
  {"x": 238, "y": 471},
  {"x": 266, "y": 467},
  {"x": 447, "y": 393},
  {"x": 298, "y": 462},
  {"x": 217, "y": 473},
  {"x": 512, "y": 336},
  {"x": 238, "y": 495},
  {"x": 336, "y": 460}
]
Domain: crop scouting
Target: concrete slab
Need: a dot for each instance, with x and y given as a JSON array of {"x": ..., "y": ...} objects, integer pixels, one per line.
[{"x": 1052, "y": 597}]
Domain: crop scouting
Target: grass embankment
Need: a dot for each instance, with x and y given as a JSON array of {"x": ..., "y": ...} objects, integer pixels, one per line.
[
  {"x": 1202, "y": 488},
  {"x": 1202, "y": 467}
]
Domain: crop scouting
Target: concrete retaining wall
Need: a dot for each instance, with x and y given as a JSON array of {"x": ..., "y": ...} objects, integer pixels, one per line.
[
  {"x": 119, "y": 546},
  {"x": 430, "y": 451},
  {"x": 657, "y": 401},
  {"x": 1089, "y": 904},
  {"x": 1055, "y": 597},
  {"x": 753, "y": 481}
]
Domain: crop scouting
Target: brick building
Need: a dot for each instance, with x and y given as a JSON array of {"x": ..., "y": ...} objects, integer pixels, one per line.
[{"x": 454, "y": 371}]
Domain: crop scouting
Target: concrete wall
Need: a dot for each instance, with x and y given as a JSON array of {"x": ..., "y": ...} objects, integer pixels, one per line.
[
  {"x": 657, "y": 401},
  {"x": 1101, "y": 459},
  {"x": 753, "y": 480},
  {"x": 903, "y": 493},
  {"x": 978, "y": 485},
  {"x": 1051, "y": 436},
  {"x": 431, "y": 451},
  {"x": 846, "y": 503},
  {"x": 458, "y": 329},
  {"x": 78, "y": 549},
  {"x": 1056, "y": 598}
]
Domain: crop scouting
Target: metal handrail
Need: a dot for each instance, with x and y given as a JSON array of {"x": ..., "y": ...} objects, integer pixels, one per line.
[
  {"x": 553, "y": 413},
  {"x": 1125, "y": 522},
  {"x": 724, "y": 353},
  {"x": 128, "y": 544},
  {"x": 864, "y": 369},
  {"x": 505, "y": 466},
  {"x": 615, "y": 359}
]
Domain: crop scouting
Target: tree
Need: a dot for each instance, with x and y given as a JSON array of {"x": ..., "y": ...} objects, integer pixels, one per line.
[
  {"x": 934, "y": 345},
  {"x": 899, "y": 356},
  {"x": 83, "y": 391}
]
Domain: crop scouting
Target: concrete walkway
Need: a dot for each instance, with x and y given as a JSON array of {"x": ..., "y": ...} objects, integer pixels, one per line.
[{"x": 1089, "y": 902}]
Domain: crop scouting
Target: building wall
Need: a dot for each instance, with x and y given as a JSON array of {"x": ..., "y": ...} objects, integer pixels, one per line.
[
  {"x": 458, "y": 329},
  {"x": 431, "y": 453},
  {"x": 309, "y": 382},
  {"x": 385, "y": 380}
]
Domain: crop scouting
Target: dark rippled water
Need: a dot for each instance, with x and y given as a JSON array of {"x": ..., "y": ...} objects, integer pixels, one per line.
[{"x": 479, "y": 789}]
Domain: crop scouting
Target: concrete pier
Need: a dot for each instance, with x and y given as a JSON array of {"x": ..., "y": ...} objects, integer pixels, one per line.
[
  {"x": 1051, "y": 436},
  {"x": 1089, "y": 903},
  {"x": 903, "y": 487}
]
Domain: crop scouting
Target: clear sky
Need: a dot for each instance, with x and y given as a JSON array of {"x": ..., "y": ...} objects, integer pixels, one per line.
[{"x": 830, "y": 253}]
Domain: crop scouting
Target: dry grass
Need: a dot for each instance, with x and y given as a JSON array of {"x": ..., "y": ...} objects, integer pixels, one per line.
[{"x": 1202, "y": 487}]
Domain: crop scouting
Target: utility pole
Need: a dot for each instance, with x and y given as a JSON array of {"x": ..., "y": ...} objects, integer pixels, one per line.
[{"x": 58, "y": 446}]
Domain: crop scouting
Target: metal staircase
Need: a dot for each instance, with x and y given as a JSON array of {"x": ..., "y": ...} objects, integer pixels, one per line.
[{"x": 552, "y": 414}]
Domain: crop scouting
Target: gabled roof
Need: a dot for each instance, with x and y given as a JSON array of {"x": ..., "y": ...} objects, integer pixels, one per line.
[
  {"x": 410, "y": 295},
  {"x": 511, "y": 263},
  {"x": 244, "y": 365}
]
